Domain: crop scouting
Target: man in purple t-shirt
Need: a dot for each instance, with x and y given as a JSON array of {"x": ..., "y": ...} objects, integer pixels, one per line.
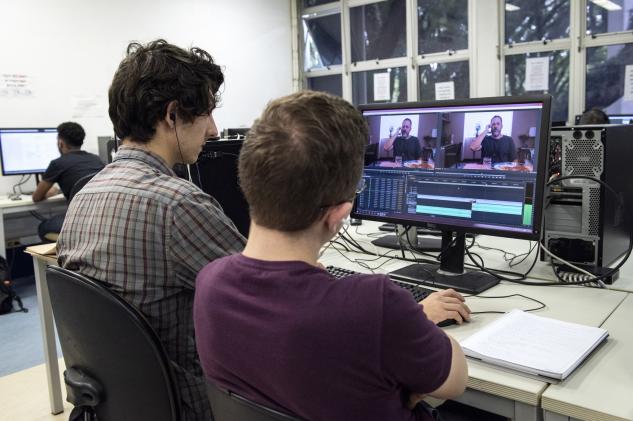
[{"x": 273, "y": 326}]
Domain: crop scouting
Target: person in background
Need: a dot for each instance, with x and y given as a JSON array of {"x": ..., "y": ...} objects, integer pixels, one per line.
[
  {"x": 496, "y": 146},
  {"x": 72, "y": 165},
  {"x": 138, "y": 227},
  {"x": 403, "y": 144},
  {"x": 594, "y": 116},
  {"x": 273, "y": 326}
]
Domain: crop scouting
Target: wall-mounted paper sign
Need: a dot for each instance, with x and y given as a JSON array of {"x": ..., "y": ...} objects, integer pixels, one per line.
[
  {"x": 445, "y": 90},
  {"x": 536, "y": 74},
  {"x": 88, "y": 106},
  {"x": 15, "y": 85},
  {"x": 628, "y": 83},
  {"x": 382, "y": 88}
]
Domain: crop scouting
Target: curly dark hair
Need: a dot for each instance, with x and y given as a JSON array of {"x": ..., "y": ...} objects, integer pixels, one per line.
[
  {"x": 153, "y": 75},
  {"x": 71, "y": 134}
]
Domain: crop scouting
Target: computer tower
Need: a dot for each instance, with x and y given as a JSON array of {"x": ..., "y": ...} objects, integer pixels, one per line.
[
  {"x": 215, "y": 173},
  {"x": 584, "y": 223},
  {"x": 107, "y": 148}
]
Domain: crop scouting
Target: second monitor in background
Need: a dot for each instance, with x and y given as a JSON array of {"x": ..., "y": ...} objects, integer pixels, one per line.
[
  {"x": 484, "y": 172},
  {"x": 27, "y": 151}
]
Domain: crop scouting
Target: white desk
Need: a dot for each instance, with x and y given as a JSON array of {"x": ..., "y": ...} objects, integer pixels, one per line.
[
  {"x": 55, "y": 204},
  {"x": 542, "y": 270},
  {"x": 40, "y": 261},
  {"x": 602, "y": 388},
  {"x": 489, "y": 388}
]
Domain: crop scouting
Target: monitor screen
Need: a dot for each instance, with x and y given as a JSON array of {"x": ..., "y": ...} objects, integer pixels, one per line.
[
  {"x": 474, "y": 165},
  {"x": 620, "y": 118},
  {"x": 27, "y": 151}
]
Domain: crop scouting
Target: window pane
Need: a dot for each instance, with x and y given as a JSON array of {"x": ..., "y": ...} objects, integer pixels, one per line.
[
  {"x": 322, "y": 42},
  {"x": 535, "y": 20},
  {"x": 614, "y": 16},
  {"x": 605, "y": 78},
  {"x": 558, "y": 79},
  {"x": 332, "y": 84},
  {"x": 311, "y": 3},
  {"x": 433, "y": 73},
  {"x": 363, "y": 86},
  {"x": 442, "y": 25},
  {"x": 378, "y": 30}
]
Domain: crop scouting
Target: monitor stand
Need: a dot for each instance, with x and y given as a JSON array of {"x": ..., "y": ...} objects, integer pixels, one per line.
[
  {"x": 421, "y": 230},
  {"x": 450, "y": 272},
  {"x": 408, "y": 238}
]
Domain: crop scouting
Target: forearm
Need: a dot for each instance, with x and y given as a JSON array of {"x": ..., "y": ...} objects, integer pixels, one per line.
[
  {"x": 390, "y": 142},
  {"x": 475, "y": 145}
]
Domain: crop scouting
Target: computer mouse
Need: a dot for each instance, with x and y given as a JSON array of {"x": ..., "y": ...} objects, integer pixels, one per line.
[
  {"x": 447, "y": 322},
  {"x": 450, "y": 322}
]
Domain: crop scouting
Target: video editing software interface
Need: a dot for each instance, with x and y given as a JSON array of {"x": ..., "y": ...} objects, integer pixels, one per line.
[
  {"x": 27, "y": 151},
  {"x": 472, "y": 166}
]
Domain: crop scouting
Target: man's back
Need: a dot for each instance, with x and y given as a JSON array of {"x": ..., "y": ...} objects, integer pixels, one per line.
[
  {"x": 290, "y": 336},
  {"x": 146, "y": 234},
  {"x": 70, "y": 167}
]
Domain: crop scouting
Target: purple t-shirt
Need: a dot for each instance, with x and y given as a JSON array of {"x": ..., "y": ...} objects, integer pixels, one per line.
[{"x": 290, "y": 336}]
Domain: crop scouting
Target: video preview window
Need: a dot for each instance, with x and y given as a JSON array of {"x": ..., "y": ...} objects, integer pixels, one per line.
[{"x": 479, "y": 140}]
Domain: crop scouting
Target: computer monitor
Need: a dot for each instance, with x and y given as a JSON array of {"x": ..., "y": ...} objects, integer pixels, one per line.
[
  {"x": 216, "y": 174},
  {"x": 499, "y": 193},
  {"x": 27, "y": 151},
  {"x": 621, "y": 118},
  {"x": 235, "y": 133}
]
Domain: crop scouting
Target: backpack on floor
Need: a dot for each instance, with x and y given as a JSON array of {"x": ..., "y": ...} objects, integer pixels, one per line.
[{"x": 7, "y": 294}]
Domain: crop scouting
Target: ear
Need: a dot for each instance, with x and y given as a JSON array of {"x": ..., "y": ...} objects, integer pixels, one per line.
[
  {"x": 171, "y": 114},
  {"x": 335, "y": 215}
]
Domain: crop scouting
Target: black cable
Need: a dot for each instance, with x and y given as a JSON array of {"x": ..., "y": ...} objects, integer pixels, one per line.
[
  {"x": 37, "y": 216},
  {"x": 541, "y": 304}
]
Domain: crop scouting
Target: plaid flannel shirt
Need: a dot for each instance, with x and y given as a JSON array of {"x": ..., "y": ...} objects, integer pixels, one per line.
[{"x": 146, "y": 234}]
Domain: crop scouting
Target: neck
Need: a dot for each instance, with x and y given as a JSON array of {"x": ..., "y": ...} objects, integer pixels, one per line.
[
  {"x": 156, "y": 146},
  {"x": 273, "y": 245}
]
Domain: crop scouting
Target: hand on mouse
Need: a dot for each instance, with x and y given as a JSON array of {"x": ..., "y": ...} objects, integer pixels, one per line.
[{"x": 446, "y": 304}]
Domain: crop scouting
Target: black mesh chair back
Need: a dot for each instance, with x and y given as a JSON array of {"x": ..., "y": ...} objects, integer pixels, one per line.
[
  {"x": 116, "y": 365},
  {"x": 228, "y": 406},
  {"x": 79, "y": 184}
]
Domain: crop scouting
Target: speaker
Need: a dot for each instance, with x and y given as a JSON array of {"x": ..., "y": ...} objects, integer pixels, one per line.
[{"x": 584, "y": 223}]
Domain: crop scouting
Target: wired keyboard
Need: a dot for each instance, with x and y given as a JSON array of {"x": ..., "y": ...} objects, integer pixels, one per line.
[{"x": 418, "y": 292}]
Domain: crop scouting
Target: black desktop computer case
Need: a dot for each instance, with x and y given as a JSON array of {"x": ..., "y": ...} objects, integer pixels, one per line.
[{"x": 584, "y": 223}]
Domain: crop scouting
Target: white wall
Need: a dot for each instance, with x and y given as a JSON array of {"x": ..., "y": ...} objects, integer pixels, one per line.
[{"x": 71, "y": 48}]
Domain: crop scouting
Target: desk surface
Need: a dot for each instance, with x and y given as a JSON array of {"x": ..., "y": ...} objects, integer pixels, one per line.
[
  {"x": 494, "y": 258},
  {"x": 602, "y": 388},
  {"x": 26, "y": 200},
  {"x": 589, "y": 306}
]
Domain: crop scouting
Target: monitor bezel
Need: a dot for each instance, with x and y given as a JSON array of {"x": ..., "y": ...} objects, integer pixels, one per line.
[
  {"x": 39, "y": 129},
  {"x": 544, "y": 132}
]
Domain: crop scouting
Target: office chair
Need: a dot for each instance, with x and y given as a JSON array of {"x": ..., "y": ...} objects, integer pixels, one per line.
[
  {"x": 228, "y": 406},
  {"x": 117, "y": 368},
  {"x": 79, "y": 184}
]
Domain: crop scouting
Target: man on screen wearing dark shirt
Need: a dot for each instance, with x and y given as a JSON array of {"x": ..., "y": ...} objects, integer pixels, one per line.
[
  {"x": 273, "y": 326},
  {"x": 498, "y": 147},
  {"x": 403, "y": 144},
  {"x": 66, "y": 170}
]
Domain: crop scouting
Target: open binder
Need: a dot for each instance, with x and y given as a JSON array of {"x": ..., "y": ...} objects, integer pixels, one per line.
[{"x": 534, "y": 345}]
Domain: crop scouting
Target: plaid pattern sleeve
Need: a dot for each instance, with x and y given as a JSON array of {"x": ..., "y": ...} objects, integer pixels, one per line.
[
  {"x": 201, "y": 232},
  {"x": 146, "y": 233}
]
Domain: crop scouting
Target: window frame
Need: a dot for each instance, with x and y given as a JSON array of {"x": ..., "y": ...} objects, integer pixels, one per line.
[{"x": 412, "y": 61}]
